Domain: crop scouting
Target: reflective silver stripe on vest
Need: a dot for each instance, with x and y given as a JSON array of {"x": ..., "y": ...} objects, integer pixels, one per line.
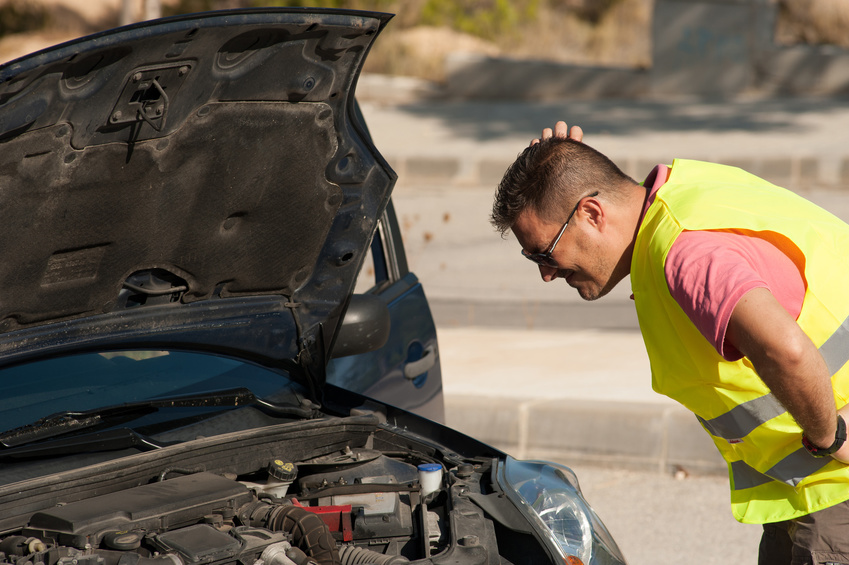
[
  {"x": 741, "y": 420},
  {"x": 835, "y": 350},
  {"x": 791, "y": 470},
  {"x": 743, "y": 476}
]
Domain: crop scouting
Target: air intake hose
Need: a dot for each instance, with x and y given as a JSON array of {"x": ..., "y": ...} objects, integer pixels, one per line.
[{"x": 309, "y": 533}]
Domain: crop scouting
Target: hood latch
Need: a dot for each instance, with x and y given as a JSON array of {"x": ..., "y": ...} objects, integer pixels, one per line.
[{"x": 147, "y": 96}]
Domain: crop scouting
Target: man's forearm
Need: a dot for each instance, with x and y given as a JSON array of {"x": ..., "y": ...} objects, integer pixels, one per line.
[
  {"x": 787, "y": 361},
  {"x": 803, "y": 387}
]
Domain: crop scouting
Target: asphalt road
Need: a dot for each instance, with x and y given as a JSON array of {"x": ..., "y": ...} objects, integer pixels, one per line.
[{"x": 658, "y": 519}]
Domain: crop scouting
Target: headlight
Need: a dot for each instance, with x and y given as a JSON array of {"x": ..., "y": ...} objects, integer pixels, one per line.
[{"x": 549, "y": 495}]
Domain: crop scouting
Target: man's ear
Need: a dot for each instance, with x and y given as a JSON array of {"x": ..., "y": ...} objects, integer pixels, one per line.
[{"x": 594, "y": 213}]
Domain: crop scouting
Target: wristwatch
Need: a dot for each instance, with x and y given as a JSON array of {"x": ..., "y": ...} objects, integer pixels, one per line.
[{"x": 839, "y": 438}]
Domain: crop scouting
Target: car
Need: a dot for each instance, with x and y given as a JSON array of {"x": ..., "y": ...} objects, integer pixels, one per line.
[{"x": 211, "y": 346}]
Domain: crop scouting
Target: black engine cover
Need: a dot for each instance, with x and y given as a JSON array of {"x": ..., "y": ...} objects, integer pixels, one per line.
[{"x": 156, "y": 507}]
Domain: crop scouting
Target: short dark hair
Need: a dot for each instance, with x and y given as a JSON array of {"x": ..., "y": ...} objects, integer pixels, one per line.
[{"x": 550, "y": 176}]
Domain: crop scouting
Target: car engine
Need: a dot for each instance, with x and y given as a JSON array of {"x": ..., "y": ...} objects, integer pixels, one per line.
[{"x": 355, "y": 506}]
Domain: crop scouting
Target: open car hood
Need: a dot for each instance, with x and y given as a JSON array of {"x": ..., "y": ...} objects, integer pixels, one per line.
[{"x": 200, "y": 181}]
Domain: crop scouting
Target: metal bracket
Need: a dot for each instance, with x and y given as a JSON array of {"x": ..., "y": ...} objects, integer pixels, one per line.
[{"x": 148, "y": 94}]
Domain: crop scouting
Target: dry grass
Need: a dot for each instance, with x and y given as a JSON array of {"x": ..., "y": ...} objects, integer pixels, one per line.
[
  {"x": 620, "y": 37},
  {"x": 420, "y": 51}
]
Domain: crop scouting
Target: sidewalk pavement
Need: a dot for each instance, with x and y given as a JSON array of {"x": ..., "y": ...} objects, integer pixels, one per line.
[{"x": 527, "y": 366}]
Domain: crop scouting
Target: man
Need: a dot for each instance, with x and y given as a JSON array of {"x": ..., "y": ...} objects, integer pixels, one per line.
[{"x": 742, "y": 294}]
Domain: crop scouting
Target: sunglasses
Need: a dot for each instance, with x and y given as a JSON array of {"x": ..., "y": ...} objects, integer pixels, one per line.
[{"x": 544, "y": 259}]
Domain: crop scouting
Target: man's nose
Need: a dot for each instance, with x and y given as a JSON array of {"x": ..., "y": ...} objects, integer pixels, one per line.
[{"x": 548, "y": 274}]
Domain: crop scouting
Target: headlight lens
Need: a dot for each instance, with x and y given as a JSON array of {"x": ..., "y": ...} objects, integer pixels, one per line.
[
  {"x": 549, "y": 495},
  {"x": 566, "y": 520}
]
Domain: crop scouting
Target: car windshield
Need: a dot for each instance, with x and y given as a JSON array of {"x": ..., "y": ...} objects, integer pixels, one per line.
[{"x": 93, "y": 380}]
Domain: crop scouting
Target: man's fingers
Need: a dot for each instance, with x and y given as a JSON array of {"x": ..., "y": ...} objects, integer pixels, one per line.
[
  {"x": 561, "y": 129},
  {"x": 576, "y": 133},
  {"x": 546, "y": 134}
]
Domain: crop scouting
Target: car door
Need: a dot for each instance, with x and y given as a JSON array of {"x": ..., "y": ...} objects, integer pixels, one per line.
[{"x": 405, "y": 372}]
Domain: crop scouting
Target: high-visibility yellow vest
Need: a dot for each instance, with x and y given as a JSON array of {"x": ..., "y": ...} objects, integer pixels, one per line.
[{"x": 773, "y": 477}]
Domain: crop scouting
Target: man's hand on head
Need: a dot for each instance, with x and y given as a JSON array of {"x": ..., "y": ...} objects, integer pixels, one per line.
[{"x": 561, "y": 130}]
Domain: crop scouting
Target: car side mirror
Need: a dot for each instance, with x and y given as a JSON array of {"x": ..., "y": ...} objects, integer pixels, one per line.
[{"x": 365, "y": 327}]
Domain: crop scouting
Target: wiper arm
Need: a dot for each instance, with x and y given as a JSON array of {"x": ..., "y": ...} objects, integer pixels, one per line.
[
  {"x": 63, "y": 423},
  {"x": 107, "y": 440}
]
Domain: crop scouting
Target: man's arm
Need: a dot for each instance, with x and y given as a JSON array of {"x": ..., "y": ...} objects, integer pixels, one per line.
[{"x": 789, "y": 363}]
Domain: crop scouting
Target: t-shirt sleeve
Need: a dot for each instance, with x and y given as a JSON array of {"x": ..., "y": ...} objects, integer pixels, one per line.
[{"x": 709, "y": 271}]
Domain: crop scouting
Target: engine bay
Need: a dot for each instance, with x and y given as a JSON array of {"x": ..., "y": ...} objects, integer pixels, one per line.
[{"x": 357, "y": 505}]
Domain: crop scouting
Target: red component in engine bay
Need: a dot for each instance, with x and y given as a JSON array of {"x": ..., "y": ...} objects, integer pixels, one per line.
[{"x": 336, "y": 518}]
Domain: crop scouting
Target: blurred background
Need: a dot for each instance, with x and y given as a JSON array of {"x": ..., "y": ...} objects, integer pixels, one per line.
[{"x": 424, "y": 33}]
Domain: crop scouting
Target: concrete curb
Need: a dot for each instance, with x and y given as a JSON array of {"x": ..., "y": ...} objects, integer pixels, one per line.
[{"x": 651, "y": 436}]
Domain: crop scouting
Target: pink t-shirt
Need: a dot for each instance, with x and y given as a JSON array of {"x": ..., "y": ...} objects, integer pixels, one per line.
[{"x": 709, "y": 271}]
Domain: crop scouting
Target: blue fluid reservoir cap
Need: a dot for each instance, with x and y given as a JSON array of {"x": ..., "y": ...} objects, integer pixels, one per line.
[{"x": 430, "y": 467}]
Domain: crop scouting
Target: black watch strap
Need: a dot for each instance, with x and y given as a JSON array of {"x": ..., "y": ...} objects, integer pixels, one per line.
[{"x": 839, "y": 438}]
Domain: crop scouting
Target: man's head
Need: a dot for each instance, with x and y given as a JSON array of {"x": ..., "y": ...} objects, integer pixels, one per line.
[{"x": 573, "y": 211}]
